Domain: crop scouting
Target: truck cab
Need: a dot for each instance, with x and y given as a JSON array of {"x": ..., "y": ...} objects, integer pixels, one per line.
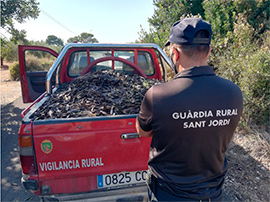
[{"x": 75, "y": 57}]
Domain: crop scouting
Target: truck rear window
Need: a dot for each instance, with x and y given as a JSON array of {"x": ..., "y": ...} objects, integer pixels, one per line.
[
  {"x": 122, "y": 67},
  {"x": 96, "y": 54},
  {"x": 145, "y": 62},
  {"x": 78, "y": 61}
]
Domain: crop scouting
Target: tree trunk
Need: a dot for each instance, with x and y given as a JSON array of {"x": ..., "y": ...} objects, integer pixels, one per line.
[{"x": 2, "y": 62}]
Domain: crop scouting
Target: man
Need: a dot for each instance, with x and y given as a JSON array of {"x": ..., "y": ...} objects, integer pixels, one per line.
[{"x": 191, "y": 120}]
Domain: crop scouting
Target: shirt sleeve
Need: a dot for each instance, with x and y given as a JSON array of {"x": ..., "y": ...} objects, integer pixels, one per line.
[{"x": 146, "y": 111}]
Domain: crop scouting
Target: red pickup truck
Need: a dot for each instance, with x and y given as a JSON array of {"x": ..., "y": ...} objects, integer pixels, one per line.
[{"x": 98, "y": 158}]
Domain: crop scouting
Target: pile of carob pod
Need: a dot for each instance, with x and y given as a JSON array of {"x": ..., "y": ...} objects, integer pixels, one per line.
[{"x": 103, "y": 93}]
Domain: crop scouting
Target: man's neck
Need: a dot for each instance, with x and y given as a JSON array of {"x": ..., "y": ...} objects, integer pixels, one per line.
[{"x": 190, "y": 64}]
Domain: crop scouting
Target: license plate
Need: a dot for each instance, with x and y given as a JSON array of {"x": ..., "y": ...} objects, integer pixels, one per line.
[{"x": 123, "y": 178}]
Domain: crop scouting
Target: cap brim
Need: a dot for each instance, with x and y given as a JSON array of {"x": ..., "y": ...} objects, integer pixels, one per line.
[{"x": 167, "y": 43}]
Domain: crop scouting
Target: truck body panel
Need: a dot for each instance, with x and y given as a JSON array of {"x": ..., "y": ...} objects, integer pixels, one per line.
[{"x": 76, "y": 141}]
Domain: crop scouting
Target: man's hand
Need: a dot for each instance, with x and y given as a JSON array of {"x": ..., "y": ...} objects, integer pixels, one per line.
[{"x": 141, "y": 132}]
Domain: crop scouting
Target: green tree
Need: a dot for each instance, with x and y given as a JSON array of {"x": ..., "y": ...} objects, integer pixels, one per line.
[
  {"x": 83, "y": 38},
  {"x": 165, "y": 14},
  {"x": 53, "y": 40},
  {"x": 11, "y": 11},
  {"x": 222, "y": 14},
  {"x": 17, "y": 10},
  {"x": 43, "y": 43}
]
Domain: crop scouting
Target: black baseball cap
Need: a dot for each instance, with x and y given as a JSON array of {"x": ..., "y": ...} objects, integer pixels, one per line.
[{"x": 183, "y": 32}]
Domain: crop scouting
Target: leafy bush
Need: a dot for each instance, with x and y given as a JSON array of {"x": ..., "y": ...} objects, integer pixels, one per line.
[
  {"x": 47, "y": 63},
  {"x": 255, "y": 83},
  {"x": 245, "y": 61},
  {"x": 15, "y": 71},
  {"x": 34, "y": 63},
  {"x": 12, "y": 54}
]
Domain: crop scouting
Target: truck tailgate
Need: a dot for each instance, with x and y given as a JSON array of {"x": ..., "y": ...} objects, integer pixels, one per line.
[{"x": 74, "y": 155}]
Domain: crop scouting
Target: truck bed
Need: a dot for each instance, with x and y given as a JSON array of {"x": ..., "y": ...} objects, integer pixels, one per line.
[{"x": 74, "y": 155}]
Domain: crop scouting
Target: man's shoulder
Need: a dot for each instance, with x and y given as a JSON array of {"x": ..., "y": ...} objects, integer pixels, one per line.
[
  {"x": 228, "y": 83},
  {"x": 161, "y": 87}
]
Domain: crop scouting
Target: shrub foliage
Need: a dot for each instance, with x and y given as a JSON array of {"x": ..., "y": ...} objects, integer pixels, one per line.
[
  {"x": 32, "y": 63},
  {"x": 246, "y": 61},
  {"x": 15, "y": 71}
]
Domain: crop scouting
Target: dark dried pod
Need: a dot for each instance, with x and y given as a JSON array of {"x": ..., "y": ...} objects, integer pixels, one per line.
[{"x": 96, "y": 94}]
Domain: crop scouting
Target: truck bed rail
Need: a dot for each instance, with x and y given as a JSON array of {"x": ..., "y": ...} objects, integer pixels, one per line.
[{"x": 24, "y": 112}]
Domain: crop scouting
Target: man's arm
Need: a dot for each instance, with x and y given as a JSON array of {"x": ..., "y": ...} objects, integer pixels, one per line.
[{"x": 141, "y": 132}]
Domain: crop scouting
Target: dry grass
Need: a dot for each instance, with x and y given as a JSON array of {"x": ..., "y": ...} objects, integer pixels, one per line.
[{"x": 248, "y": 176}]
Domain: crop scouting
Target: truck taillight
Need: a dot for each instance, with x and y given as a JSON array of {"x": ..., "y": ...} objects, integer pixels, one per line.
[{"x": 27, "y": 155}]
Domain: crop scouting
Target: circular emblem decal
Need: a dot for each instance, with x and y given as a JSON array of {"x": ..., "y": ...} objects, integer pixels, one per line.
[{"x": 46, "y": 146}]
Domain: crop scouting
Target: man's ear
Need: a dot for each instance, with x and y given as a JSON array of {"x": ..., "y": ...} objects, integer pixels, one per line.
[
  {"x": 176, "y": 54},
  {"x": 210, "y": 48}
]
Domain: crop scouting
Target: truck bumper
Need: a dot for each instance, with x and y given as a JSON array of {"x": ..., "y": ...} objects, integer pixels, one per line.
[
  {"x": 132, "y": 193},
  {"x": 29, "y": 184}
]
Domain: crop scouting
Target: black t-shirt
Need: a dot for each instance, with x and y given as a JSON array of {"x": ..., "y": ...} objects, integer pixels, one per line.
[{"x": 193, "y": 118}]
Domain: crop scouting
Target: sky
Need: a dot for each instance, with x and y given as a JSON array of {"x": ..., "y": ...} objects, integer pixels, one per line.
[{"x": 111, "y": 21}]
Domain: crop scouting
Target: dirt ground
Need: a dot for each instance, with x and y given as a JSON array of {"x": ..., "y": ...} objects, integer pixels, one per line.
[
  {"x": 248, "y": 177},
  {"x": 10, "y": 90}
]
